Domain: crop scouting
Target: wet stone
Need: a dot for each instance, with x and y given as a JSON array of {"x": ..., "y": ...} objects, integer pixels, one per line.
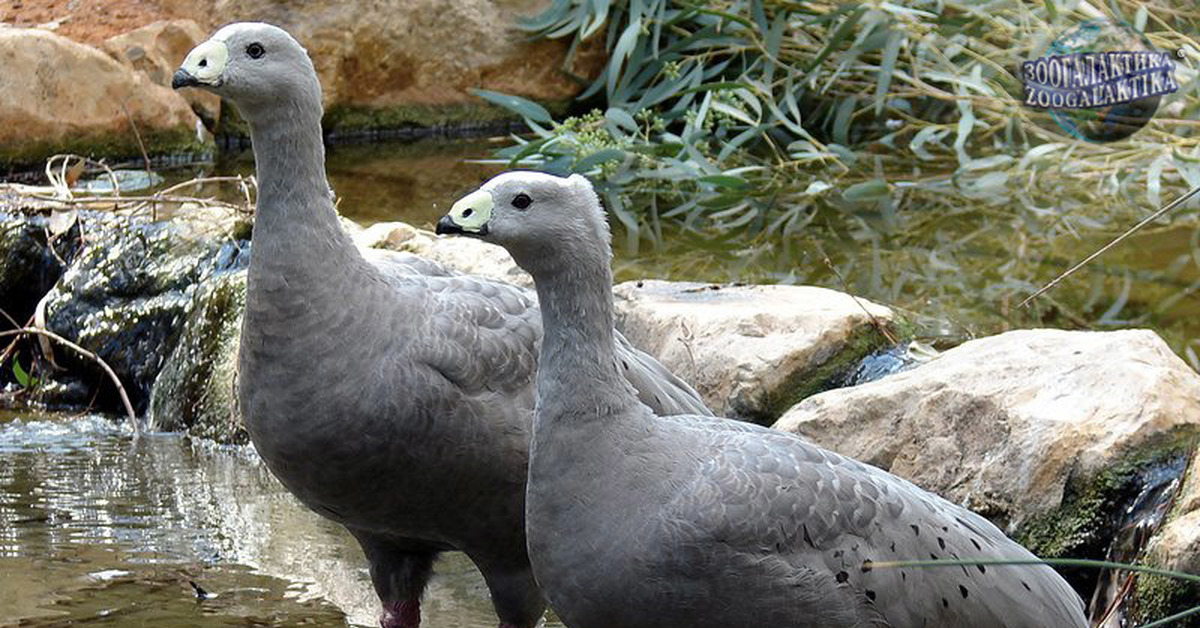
[
  {"x": 127, "y": 293},
  {"x": 28, "y": 267},
  {"x": 195, "y": 391}
]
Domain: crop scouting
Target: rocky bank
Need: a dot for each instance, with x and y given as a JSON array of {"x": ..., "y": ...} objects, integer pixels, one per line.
[{"x": 79, "y": 77}]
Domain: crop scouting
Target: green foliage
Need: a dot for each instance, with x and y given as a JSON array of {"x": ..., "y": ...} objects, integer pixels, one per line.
[
  {"x": 24, "y": 379},
  {"x": 897, "y": 127},
  {"x": 717, "y": 107}
]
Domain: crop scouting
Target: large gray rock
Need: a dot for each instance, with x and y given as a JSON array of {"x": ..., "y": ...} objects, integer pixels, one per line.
[
  {"x": 750, "y": 351},
  {"x": 1017, "y": 425},
  {"x": 462, "y": 254}
]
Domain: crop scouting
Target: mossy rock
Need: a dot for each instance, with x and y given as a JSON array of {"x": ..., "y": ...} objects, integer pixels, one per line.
[
  {"x": 826, "y": 374},
  {"x": 195, "y": 391},
  {"x": 109, "y": 146},
  {"x": 126, "y": 294},
  {"x": 1092, "y": 509},
  {"x": 1156, "y": 597}
]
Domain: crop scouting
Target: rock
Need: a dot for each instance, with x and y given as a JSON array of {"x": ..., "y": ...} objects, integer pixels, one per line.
[
  {"x": 57, "y": 95},
  {"x": 1040, "y": 430},
  {"x": 415, "y": 51},
  {"x": 28, "y": 266},
  {"x": 750, "y": 351},
  {"x": 128, "y": 291},
  {"x": 195, "y": 390},
  {"x": 462, "y": 254},
  {"x": 396, "y": 62},
  {"x": 1176, "y": 547},
  {"x": 156, "y": 50}
]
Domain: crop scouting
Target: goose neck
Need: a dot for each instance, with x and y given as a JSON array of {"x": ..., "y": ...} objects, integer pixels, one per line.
[
  {"x": 578, "y": 372},
  {"x": 295, "y": 221}
]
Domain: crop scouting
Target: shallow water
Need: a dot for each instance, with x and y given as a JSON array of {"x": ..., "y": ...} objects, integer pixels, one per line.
[{"x": 96, "y": 529}]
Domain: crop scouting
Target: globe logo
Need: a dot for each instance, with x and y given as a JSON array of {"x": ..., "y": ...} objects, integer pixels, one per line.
[{"x": 1099, "y": 81}]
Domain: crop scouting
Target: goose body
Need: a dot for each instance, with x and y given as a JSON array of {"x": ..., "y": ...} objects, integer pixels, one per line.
[
  {"x": 639, "y": 520},
  {"x": 385, "y": 392}
]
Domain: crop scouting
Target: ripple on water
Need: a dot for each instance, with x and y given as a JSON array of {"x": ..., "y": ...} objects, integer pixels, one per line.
[{"x": 98, "y": 528}]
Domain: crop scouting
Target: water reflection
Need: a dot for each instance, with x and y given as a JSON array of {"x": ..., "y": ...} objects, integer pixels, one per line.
[
  {"x": 959, "y": 275},
  {"x": 97, "y": 529}
]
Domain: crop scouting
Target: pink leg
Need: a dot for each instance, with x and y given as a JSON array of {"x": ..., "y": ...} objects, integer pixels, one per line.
[{"x": 406, "y": 614}]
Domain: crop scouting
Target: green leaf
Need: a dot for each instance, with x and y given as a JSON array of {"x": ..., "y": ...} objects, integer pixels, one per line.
[
  {"x": 23, "y": 378},
  {"x": 599, "y": 157},
  {"x": 841, "y": 122},
  {"x": 843, "y": 31},
  {"x": 883, "y": 77},
  {"x": 867, "y": 191},
  {"x": 621, "y": 52},
  {"x": 621, "y": 119},
  {"x": 726, "y": 181},
  {"x": 521, "y": 106},
  {"x": 598, "y": 15},
  {"x": 1051, "y": 10}
]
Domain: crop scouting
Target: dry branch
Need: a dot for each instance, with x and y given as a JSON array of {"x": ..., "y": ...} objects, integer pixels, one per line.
[
  {"x": 133, "y": 420},
  {"x": 1115, "y": 241}
]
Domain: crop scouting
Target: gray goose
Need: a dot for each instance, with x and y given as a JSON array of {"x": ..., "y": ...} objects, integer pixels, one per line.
[
  {"x": 387, "y": 393},
  {"x": 636, "y": 520}
]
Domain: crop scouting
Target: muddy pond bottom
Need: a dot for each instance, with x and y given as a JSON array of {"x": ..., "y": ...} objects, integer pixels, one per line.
[{"x": 96, "y": 529}]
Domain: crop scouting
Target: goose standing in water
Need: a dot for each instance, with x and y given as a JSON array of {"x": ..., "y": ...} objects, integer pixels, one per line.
[
  {"x": 385, "y": 392},
  {"x": 636, "y": 520}
]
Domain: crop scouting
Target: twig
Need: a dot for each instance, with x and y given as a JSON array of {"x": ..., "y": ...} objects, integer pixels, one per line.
[
  {"x": 874, "y": 321},
  {"x": 1145, "y": 221},
  {"x": 60, "y": 186},
  {"x": 12, "y": 346},
  {"x": 133, "y": 421},
  {"x": 199, "y": 181},
  {"x": 145, "y": 157},
  {"x": 125, "y": 200}
]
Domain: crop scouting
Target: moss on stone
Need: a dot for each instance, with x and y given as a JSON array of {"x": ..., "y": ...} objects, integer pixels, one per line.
[
  {"x": 1085, "y": 524},
  {"x": 1156, "y": 597},
  {"x": 806, "y": 382},
  {"x": 195, "y": 389},
  {"x": 119, "y": 145}
]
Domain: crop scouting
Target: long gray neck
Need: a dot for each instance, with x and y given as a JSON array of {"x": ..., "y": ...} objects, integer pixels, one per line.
[
  {"x": 296, "y": 227},
  {"x": 578, "y": 374}
]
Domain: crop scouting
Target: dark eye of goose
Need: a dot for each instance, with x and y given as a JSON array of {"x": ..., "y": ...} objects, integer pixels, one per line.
[
  {"x": 255, "y": 51},
  {"x": 522, "y": 201}
]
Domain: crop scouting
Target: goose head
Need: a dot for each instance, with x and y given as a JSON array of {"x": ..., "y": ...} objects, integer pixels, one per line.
[
  {"x": 255, "y": 66},
  {"x": 539, "y": 218}
]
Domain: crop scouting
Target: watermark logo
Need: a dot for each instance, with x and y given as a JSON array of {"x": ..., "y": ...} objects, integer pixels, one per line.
[{"x": 1100, "y": 81}]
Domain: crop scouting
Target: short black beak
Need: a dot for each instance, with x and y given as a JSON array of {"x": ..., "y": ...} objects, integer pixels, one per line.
[
  {"x": 182, "y": 78},
  {"x": 446, "y": 226}
]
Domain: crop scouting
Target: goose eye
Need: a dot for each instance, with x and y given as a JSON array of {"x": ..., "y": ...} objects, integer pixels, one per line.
[
  {"x": 522, "y": 201},
  {"x": 255, "y": 51}
]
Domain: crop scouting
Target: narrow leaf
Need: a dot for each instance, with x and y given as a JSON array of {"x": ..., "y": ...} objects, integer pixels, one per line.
[{"x": 521, "y": 106}]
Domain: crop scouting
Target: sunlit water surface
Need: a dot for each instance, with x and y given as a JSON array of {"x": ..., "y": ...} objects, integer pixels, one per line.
[{"x": 96, "y": 529}]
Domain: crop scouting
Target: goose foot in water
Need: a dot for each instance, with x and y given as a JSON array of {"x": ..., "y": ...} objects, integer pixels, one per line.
[{"x": 406, "y": 614}]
